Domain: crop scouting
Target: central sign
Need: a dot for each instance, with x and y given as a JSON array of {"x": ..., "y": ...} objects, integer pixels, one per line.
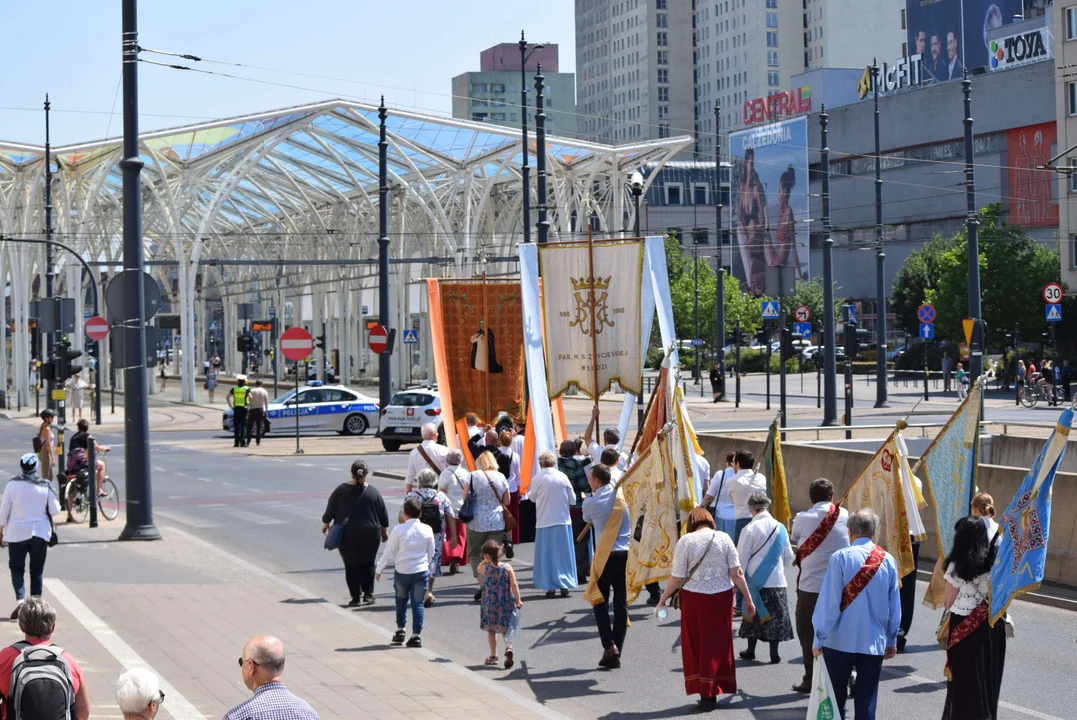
[
  {"x": 778, "y": 106},
  {"x": 903, "y": 73}
]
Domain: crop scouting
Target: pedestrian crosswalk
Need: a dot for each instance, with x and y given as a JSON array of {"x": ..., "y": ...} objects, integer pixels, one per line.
[{"x": 213, "y": 514}]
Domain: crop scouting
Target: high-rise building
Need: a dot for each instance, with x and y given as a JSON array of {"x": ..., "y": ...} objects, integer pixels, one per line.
[
  {"x": 749, "y": 50},
  {"x": 1065, "y": 49},
  {"x": 492, "y": 94},
  {"x": 850, "y": 33},
  {"x": 634, "y": 63}
]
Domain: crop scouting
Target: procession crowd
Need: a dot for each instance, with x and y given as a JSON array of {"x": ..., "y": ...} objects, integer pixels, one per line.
[{"x": 852, "y": 609}]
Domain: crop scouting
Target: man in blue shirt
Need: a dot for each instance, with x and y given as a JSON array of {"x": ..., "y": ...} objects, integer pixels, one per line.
[
  {"x": 597, "y": 510},
  {"x": 858, "y": 615}
]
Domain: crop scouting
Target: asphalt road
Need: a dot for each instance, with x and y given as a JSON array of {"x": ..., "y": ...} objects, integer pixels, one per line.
[{"x": 268, "y": 510}]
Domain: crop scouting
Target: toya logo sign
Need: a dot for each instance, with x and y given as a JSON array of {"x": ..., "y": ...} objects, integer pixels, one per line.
[
  {"x": 1023, "y": 49},
  {"x": 778, "y": 106}
]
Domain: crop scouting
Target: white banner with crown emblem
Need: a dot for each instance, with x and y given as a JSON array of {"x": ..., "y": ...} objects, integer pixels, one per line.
[{"x": 585, "y": 317}]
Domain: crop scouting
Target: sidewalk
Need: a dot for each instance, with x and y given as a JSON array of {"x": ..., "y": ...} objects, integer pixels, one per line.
[{"x": 162, "y": 605}]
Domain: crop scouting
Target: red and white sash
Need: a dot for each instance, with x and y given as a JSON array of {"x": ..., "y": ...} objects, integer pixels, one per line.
[{"x": 813, "y": 541}]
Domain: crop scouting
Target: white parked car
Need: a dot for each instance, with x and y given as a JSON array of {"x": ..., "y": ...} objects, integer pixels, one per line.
[
  {"x": 321, "y": 407},
  {"x": 403, "y": 419}
]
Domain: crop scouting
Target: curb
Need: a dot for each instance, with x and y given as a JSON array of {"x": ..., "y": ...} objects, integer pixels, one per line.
[{"x": 1036, "y": 598}]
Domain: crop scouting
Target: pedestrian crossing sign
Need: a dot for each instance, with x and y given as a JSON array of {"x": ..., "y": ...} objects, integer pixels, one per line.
[
  {"x": 1054, "y": 313},
  {"x": 411, "y": 337},
  {"x": 770, "y": 309}
]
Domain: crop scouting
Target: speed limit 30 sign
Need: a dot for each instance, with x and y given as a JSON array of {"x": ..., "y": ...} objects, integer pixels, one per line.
[{"x": 1052, "y": 293}]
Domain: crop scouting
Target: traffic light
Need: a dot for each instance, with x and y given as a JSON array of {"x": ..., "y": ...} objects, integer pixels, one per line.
[
  {"x": 787, "y": 343},
  {"x": 65, "y": 365},
  {"x": 244, "y": 342},
  {"x": 761, "y": 334},
  {"x": 849, "y": 338},
  {"x": 320, "y": 343}
]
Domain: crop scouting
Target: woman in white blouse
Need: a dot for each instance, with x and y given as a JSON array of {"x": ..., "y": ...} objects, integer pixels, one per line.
[
  {"x": 976, "y": 652},
  {"x": 26, "y": 526},
  {"x": 705, "y": 569}
]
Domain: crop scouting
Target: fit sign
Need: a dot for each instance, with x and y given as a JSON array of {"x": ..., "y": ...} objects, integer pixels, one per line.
[
  {"x": 903, "y": 73},
  {"x": 1021, "y": 49}
]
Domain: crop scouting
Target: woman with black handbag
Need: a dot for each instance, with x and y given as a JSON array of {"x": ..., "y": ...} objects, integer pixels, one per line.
[
  {"x": 360, "y": 524},
  {"x": 706, "y": 567}
]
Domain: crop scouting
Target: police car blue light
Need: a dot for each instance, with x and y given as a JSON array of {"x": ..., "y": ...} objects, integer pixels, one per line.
[{"x": 322, "y": 408}]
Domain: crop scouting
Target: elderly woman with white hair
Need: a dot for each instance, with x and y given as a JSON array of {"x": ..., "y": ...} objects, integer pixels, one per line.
[
  {"x": 139, "y": 694},
  {"x": 555, "y": 552},
  {"x": 452, "y": 481},
  {"x": 439, "y": 515}
]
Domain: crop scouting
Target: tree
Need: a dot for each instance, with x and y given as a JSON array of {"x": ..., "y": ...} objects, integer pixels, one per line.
[
  {"x": 682, "y": 287},
  {"x": 917, "y": 276},
  {"x": 1013, "y": 270},
  {"x": 810, "y": 294}
]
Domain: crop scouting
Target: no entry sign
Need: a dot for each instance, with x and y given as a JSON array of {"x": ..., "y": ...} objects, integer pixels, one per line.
[
  {"x": 377, "y": 339},
  {"x": 296, "y": 344},
  {"x": 97, "y": 328}
]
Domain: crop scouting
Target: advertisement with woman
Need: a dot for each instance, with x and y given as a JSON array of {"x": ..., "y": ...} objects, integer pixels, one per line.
[
  {"x": 952, "y": 34},
  {"x": 770, "y": 200}
]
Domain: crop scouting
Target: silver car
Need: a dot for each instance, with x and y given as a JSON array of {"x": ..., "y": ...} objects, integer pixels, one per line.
[{"x": 336, "y": 408}]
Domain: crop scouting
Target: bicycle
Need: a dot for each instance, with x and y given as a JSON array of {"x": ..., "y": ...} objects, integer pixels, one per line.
[
  {"x": 77, "y": 492},
  {"x": 1033, "y": 394}
]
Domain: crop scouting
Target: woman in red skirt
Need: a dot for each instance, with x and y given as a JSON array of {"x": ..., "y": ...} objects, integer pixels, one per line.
[
  {"x": 705, "y": 570},
  {"x": 452, "y": 481}
]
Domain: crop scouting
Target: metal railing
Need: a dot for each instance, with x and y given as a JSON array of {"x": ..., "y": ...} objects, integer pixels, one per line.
[{"x": 922, "y": 427}]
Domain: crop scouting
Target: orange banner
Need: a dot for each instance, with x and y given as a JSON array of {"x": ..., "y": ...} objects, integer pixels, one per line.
[{"x": 440, "y": 362}]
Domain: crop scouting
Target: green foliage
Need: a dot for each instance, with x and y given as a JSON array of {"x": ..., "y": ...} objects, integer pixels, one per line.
[
  {"x": 917, "y": 276},
  {"x": 1013, "y": 270},
  {"x": 810, "y": 294}
]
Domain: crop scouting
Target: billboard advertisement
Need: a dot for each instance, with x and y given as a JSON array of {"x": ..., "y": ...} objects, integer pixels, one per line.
[
  {"x": 770, "y": 200},
  {"x": 952, "y": 34},
  {"x": 1032, "y": 199}
]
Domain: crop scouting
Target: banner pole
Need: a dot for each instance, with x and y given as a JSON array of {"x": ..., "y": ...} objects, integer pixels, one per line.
[
  {"x": 594, "y": 331},
  {"x": 486, "y": 333}
]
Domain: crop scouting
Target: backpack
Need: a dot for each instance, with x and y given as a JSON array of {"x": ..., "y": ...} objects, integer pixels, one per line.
[
  {"x": 41, "y": 684},
  {"x": 431, "y": 515}
]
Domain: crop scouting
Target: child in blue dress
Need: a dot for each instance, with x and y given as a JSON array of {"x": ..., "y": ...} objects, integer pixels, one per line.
[{"x": 500, "y": 600}]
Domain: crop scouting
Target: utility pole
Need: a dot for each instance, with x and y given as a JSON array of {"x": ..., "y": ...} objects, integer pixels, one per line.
[
  {"x": 880, "y": 260},
  {"x": 972, "y": 222},
  {"x": 697, "y": 349},
  {"x": 51, "y": 338},
  {"x": 830, "y": 370},
  {"x": 385, "y": 364},
  {"x": 135, "y": 391},
  {"x": 719, "y": 260}
]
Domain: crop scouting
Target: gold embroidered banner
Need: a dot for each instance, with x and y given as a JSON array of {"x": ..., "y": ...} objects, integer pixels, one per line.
[
  {"x": 649, "y": 490},
  {"x": 482, "y": 334},
  {"x": 591, "y": 305}
]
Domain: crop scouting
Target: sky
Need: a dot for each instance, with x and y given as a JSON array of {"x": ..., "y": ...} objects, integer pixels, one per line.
[{"x": 408, "y": 50}]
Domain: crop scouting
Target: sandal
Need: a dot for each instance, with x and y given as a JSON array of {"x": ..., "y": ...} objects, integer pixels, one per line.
[
  {"x": 491, "y": 661},
  {"x": 508, "y": 659},
  {"x": 429, "y": 600}
]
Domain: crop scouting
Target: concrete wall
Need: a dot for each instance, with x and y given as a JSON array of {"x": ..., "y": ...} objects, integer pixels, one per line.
[
  {"x": 804, "y": 463},
  {"x": 1015, "y": 451}
]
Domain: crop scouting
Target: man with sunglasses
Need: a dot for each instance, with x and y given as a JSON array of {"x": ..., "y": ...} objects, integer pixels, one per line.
[{"x": 262, "y": 664}]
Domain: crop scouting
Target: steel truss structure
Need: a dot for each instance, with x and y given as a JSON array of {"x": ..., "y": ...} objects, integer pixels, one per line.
[{"x": 298, "y": 184}]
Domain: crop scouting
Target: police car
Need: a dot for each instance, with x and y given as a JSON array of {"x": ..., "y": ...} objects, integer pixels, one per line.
[{"x": 321, "y": 407}]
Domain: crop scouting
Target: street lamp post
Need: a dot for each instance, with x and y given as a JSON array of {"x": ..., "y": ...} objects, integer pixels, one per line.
[
  {"x": 51, "y": 338},
  {"x": 136, "y": 412},
  {"x": 719, "y": 263},
  {"x": 525, "y": 170},
  {"x": 830, "y": 370},
  {"x": 540, "y": 155},
  {"x": 972, "y": 223},
  {"x": 636, "y": 183},
  {"x": 696, "y": 348},
  {"x": 385, "y": 360},
  {"x": 880, "y": 260}
]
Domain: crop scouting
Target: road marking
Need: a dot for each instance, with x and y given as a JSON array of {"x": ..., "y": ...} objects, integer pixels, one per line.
[
  {"x": 179, "y": 708},
  {"x": 254, "y": 517},
  {"x": 179, "y": 474},
  {"x": 310, "y": 513},
  {"x": 206, "y": 479},
  {"x": 186, "y": 518},
  {"x": 1002, "y": 703},
  {"x": 379, "y": 631},
  {"x": 158, "y": 469}
]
